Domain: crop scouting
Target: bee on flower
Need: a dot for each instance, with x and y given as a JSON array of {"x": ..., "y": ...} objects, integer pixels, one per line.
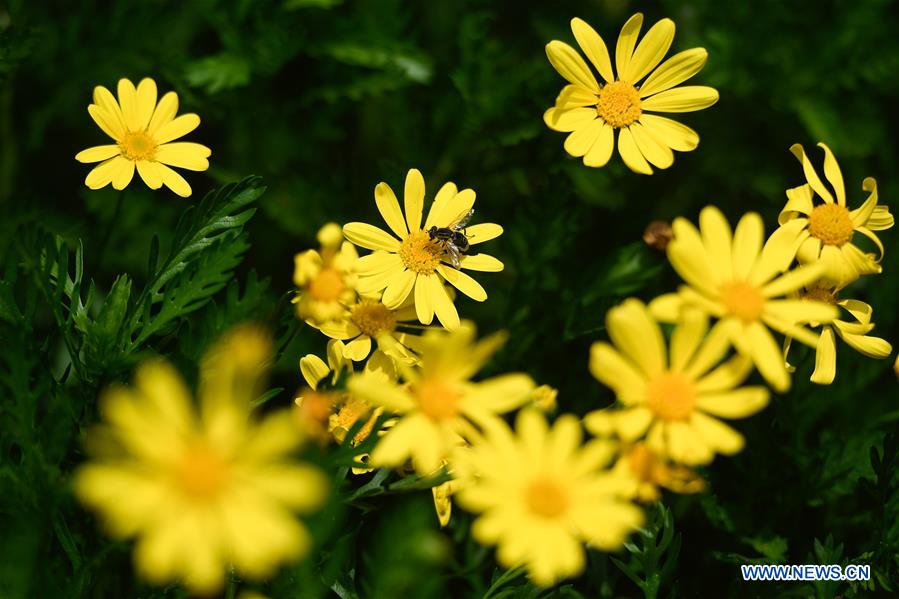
[
  {"x": 325, "y": 278},
  {"x": 675, "y": 394},
  {"x": 853, "y": 328},
  {"x": 417, "y": 260},
  {"x": 738, "y": 278},
  {"x": 539, "y": 495},
  {"x": 591, "y": 110},
  {"x": 144, "y": 133},
  {"x": 203, "y": 490},
  {"x": 829, "y": 227}
]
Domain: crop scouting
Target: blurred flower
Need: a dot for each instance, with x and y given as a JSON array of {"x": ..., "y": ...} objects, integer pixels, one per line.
[
  {"x": 143, "y": 131},
  {"x": 829, "y": 227},
  {"x": 738, "y": 280},
  {"x": 438, "y": 402},
  {"x": 368, "y": 318},
  {"x": 539, "y": 495},
  {"x": 199, "y": 490},
  {"x": 649, "y": 471},
  {"x": 658, "y": 235},
  {"x": 672, "y": 399},
  {"x": 853, "y": 332},
  {"x": 544, "y": 398},
  {"x": 416, "y": 264},
  {"x": 591, "y": 111},
  {"x": 325, "y": 278},
  {"x": 443, "y": 503}
]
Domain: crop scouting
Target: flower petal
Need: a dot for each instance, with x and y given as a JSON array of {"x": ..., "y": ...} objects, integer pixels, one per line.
[
  {"x": 98, "y": 153},
  {"x": 747, "y": 244},
  {"x": 614, "y": 370},
  {"x": 481, "y": 263},
  {"x": 659, "y": 154},
  {"x": 424, "y": 309},
  {"x": 810, "y": 175},
  {"x": 370, "y": 237},
  {"x": 631, "y": 155},
  {"x": 634, "y": 332},
  {"x": 446, "y": 193},
  {"x": 107, "y": 122},
  {"x": 123, "y": 174},
  {"x": 799, "y": 201},
  {"x": 581, "y": 140},
  {"x": 569, "y": 120},
  {"x": 674, "y": 71},
  {"x": 788, "y": 282},
  {"x": 718, "y": 435},
  {"x": 627, "y": 40},
  {"x": 178, "y": 127},
  {"x": 482, "y": 232},
  {"x": 128, "y": 101},
  {"x": 569, "y": 64},
  {"x": 593, "y": 46},
  {"x": 463, "y": 283},
  {"x": 682, "y": 99},
  {"x": 673, "y": 134},
  {"x": 414, "y": 198},
  {"x": 102, "y": 174},
  {"x": 650, "y": 51},
  {"x": 767, "y": 356},
  {"x": 825, "y": 358},
  {"x": 390, "y": 211},
  {"x": 174, "y": 181},
  {"x": 145, "y": 102},
  {"x": 443, "y": 304},
  {"x": 151, "y": 173},
  {"x": 738, "y": 403},
  {"x": 184, "y": 154},
  {"x": 398, "y": 289},
  {"x": 601, "y": 151},
  {"x": 164, "y": 113}
]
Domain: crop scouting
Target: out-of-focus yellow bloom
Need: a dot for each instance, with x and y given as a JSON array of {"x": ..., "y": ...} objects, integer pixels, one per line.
[
  {"x": 439, "y": 402},
  {"x": 200, "y": 490},
  {"x": 736, "y": 278},
  {"x": 144, "y": 132},
  {"x": 539, "y": 495},
  {"x": 325, "y": 278},
  {"x": 415, "y": 264},
  {"x": 853, "y": 332},
  {"x": 673, "y": 398},
  {"x": 828, "y": 228},
  {"x": 591, "y": 111},
  {"x": 544, "y": 398},
  {"x": 649, "y": 471}
]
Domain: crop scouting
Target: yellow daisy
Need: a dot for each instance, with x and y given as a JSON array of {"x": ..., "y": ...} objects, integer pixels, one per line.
[
  {"x": 539, "y": 495},
  {"x": 201, "y": 491},
  {"x": 650, "y": 471},
  {"x": 438, "y": 402},
  {"x": 672, "y": 397},
  {"x": 854, "y": 332},
  {"x": 415, "y": 263},
  {"x": 591, "y": 111},
  {"x": 144, "y": 133},
  {"x": 737, "y": 279},
  {"x": 829, "y": 226},
  {"x": 325, "y": 278}
]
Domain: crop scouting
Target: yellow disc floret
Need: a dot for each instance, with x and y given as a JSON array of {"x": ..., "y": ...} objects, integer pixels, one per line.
[
  {"x": 202, "y": 473},
  {"x": 743, "y": 300},
  {"x": 137, "y": 145},
  {"x": 671, "y": 396},
  {"x": 327, "y": 286},
  {"x": 545, "y": 497},
  {"x": 619, "y": 104},
  {"x": 831, "y": 223},
  {"x": 420, "y": 253},
  {"x": 436, "y": 399},
  {"x": 373, "y": 318}
]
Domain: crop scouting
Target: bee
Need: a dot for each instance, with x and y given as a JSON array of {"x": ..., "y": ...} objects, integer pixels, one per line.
[{"x": 453, "y": 238}]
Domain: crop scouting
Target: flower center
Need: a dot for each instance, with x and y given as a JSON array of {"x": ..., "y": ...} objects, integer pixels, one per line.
[
  {"x": 349, "y": 414},
  {"x": 671, "y": 396},
  {"x": 420, "y": 253},
  {"x": 619, "y": 104},
  {"x": 373, "y": 318},
  {"x": 743, "y": 300},
  {"x": 327, "y": 286},
  {"x": 436, "y": 399},
  {"x": 546, "y": 497},
  {"x": 820, "y": 293},
  {"x": 137, "y": 145},
  {"x": 831, "y": 224},
  {"x": 202, "y": 473},
  {"x": 641, "y": 461}
]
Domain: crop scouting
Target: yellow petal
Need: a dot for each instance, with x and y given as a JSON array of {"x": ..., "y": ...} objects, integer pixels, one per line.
[
  {"x": 671, "y": 133},
  {"x": 102, "y": 174},
  {"x": 726, "y": 376},
  {"x": 872, "y": 347},
  {"x": 178, "y": 127},
  {"x": 463, "y": 283},
  {"x": 799, "y": 201},
  {"x": 634, "y": 332},
  {"x": 631, "y": 155},
  {"x": 801, "y": 310},
  {"x": 357, "y": 349},
  {"x": 382, "y": 393},
  {"x": 500, "y": 394},
  {"x": 107, "y": 122},
  {"x": 569, "y": 119},
  {"x": 390, "y": 211},
  {"x": 717, "y": 239},
  {"x": 145, "y": 102},
  {"x": 398, "y": 289},
  {"x": 444, "y": 195},
  {"x": 164, "y": 113},
  {"x": 674, "y": 71},
  {"x": 687, "y": 336},
  {"x": 659, "y": 154},
  {"x": 861, "y": 215},
  {"x": 376, "y": 263},
  {"x": 601, "y": 151},
  {"x": 627, "y": 40},
  {"x": 593, "y": 46},
  {"x": 747, "y": 244},
  {"x": 825, "y": 358},
  {"x": 424, "y": 309},
  {"x": 738, "y": 403},
  {"x": 184, "y": 154},
  {"x": 414, "y": 198},
  {"x": 128, "y": 101},
  {"x": 123, "y": 174},
  {"x": 718, "y": 435},
  {"x": 574, "y": 96},
  {"x": 690, "y": 259},
  {"x": 682, "y": 99},
  {"x": 481, "y": 263},
  {"x": 456, "y": 208},
  {"x": 370, "y": 237},
  {"x": 833, "y": 174},
  {"x": 650, "y": 51},
  {"x": 767, "y": 356},
  {"x": 801, "y": 276},
  {"x": 687, "y": 445},
  {"x": 570, "y": 65},
  {"x": 98, "y": 153},
  {"x": 151, "y": 173},
  {"x": 810, "y": 175},
  {"x": 482, "y": 232},
  {"x": 174, "y": 181},
  {"x": 612, "y": 369},
  {"x": 107, "y": 102},
  {"x": 712, "y": 349},
  {"x": 313, "y": 370},
  {"x": 581, "y": 140},
  {"x": 778, "y": 252},
  {"x": 632, "y": 423},
  {"x": 443, "y": 304}
]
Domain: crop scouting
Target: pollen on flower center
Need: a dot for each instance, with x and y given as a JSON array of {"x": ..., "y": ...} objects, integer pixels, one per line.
[
  {"x": 671, "y": 396},
  {"x": 373, "y": 318},
  {"x": 436, "y": 399},
  {"x": 137, "y": 145},
  {"x": 420, "y": 253},
  {"x": 641, "y": 461},
  {"x": 820, "y": 294},
  {"x": 743, "y": 300},
  {"x": 831, "y": 223},
  {"x": 546, "y": 497},
  {"x": 327, "y": 285},
  {"x": 619, "y": 104},
  {"x": 202, "y": 472}
]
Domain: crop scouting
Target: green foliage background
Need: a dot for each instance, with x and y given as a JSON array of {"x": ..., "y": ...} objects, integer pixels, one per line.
[{"x": 323, "y": 99}]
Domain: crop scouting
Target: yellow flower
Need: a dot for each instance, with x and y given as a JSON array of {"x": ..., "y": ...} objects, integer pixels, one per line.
[
  {"x": 591, "y": 111},
  {"x": 439, "y": 402},
  {"x": 544, "y": 398},
  {"x": 540, "y": 495},
  {"x": 443, "y": 503},
  {"x": 649, "y": 471},
  {"x": 853, "y": 332},
  {"x": 416, "y": 264},
  {"x": 325, "y": 278},
  {"x": 143, "y": 131},
  {"x": 199, "y": 490},
  {"x": 368, "y": 318},
  {"x": 738, "y": 280},
  {"x": 672, "y": 396},
  {"x": 829, "y": 227}
]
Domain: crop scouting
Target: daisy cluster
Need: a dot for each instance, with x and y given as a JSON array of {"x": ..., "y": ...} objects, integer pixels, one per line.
[{"x": 399, "y": 385}]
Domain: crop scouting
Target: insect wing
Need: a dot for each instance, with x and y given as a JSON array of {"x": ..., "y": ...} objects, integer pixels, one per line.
[
  {"x": 452, "y": 252},
  {"x": 460, "y": 222}
]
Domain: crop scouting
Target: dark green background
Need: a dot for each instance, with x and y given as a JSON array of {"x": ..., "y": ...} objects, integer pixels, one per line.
[{"x": 324, "y": 99}]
